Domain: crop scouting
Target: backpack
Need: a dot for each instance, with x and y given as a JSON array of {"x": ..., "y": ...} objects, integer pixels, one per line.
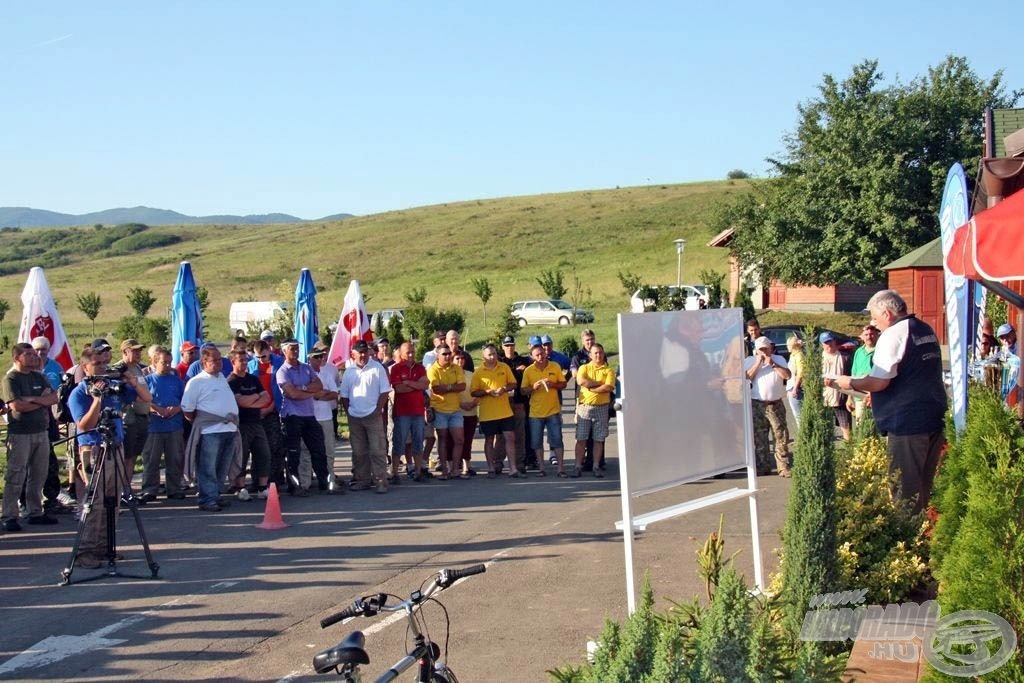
[{"x": 67, "y": 384}]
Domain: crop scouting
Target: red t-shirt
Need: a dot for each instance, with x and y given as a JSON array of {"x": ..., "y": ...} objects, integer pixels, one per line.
[
  {"x": 266, "y": 375},
  {"x": 409, "y": 402}
]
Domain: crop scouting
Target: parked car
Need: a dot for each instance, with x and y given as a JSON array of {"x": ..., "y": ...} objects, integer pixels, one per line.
[
  {"x": 696, "y": 298},
  {"x": 385, "y": 315},
  {"x": 242, "y": 314},
  {"x": 780, "y": 334},
  {"x": 548, "y": 312}
]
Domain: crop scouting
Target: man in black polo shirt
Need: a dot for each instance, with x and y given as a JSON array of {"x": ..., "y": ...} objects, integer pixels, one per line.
[{"x": 28, "y": 396}]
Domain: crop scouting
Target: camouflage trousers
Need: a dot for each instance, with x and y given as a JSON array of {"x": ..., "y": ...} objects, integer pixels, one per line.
[{"x": 770, "y": 415}]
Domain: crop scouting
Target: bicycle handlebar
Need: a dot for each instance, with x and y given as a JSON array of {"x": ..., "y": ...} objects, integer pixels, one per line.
[{"x": 372, "y": 605}]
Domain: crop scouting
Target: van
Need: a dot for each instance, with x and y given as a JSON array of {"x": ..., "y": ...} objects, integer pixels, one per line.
[
  {"x": 696, "y": 298},
  {"x": 244, "y": 313}
]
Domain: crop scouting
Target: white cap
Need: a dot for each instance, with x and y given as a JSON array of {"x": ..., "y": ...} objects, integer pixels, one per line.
[
  {"x": 1004, "y": 329},
  {"x": 762, "y": 343}
]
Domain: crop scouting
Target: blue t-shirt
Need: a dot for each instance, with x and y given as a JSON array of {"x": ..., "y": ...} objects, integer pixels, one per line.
[
  {"x": 167, "y": 391},
  {"x": 80, "y": 401},
  {"x": 298, "y": 375},
  {"x": 197, "y": 367}
]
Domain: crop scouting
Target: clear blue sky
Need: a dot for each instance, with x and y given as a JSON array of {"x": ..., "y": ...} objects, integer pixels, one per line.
[{"x": 314, "y": 108}]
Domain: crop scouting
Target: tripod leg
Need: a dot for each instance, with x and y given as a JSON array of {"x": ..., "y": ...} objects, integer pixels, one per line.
[
  {"x": 86, "y": 503},
  {"x": 133, "y": 504}
]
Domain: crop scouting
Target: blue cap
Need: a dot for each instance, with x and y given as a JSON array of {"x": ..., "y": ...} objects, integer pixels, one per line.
[
  {"x": 534, "y": 341},
  {"x": 546, "y": 339},
  {"x": 826, "y": 337},
  {"x": 1004, "y": 329}
]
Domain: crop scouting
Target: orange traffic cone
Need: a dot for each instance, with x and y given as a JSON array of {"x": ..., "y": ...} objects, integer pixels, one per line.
[{"x": 272, "y": 517}]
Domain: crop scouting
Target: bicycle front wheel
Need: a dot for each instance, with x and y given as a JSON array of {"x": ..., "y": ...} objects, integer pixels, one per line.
[{"x": 443, "y": 675}]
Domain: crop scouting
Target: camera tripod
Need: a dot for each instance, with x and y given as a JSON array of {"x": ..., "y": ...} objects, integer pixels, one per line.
[{"x": 108, "y": 479}]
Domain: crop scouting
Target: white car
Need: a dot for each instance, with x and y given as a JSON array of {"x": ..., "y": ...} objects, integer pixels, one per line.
[
  {"x": 696, "y": 298},
  {"x": 548, "y": 312},
  {"x": 385, "y": 315}
]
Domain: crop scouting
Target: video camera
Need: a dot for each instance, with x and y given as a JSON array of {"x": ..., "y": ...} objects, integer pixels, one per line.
[{"x": 104, "y": 385}]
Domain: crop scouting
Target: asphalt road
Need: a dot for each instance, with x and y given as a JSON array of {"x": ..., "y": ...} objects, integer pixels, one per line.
[{"x": 236, "y": 602}]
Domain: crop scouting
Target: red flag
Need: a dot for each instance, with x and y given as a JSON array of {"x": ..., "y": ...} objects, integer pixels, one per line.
[
  {"x": 353, "y": 325},
  {"x": 40, "y": 318}
]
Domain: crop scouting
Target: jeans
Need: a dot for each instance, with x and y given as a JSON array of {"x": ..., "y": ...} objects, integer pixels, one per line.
[{"x": 215, "y": 455}]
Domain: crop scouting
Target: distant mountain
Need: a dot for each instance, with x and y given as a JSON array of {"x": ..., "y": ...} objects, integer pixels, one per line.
[{"x": 24, "y": 217}]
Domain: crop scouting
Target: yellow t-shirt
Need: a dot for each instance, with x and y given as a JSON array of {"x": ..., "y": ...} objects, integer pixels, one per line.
[
  {"x": 604, "y": 375},
  {"x": 484, "y": 379},
  {"x": 438, "y": 376},
  {"x": 543, "y": 403}
]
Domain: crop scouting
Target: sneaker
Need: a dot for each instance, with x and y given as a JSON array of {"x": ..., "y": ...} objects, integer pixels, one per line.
[
  {"x": 64, "y": 498},
  {"x": 180, "y": 495},
  {"x": 12, "y": 525},
  {"x": 360, "y": 486},
  {"x": 210, "y": 507},
  {"x": 42, "y": 519},
  {"x": 146, "y": 498},
  {"x": 395, "y": 480},
  {"x": 598, "y": 474},
  {"x": 263, "y": 493},
  {"x": 243, "y": 495},
  {"x": 224, "y": 503},
  {"x": 382, "y": 487},
  {"x": 302, "y": 492}
]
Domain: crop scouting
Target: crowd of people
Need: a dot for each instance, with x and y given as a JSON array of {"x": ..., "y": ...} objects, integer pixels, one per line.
[{"x": 228, "y": 425}]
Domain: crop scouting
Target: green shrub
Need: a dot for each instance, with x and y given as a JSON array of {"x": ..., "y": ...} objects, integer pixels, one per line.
[
  {"x": 880, "y": 541},
  {"x": 143, "y": 240},
  {"x": 569, "y": 345},
  {"x": 810, "y": 563},
  {"x": 146, "y": 330},
  {"x": 723, "y": 643}
]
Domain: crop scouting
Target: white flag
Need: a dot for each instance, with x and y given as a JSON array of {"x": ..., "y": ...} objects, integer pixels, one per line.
[
  {"x": 353, "y": 325},
  {"x": 40, "y": 318}
]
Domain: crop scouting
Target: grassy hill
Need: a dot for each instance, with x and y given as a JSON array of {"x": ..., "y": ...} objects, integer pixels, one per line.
[{"x": 592, "y": 234}]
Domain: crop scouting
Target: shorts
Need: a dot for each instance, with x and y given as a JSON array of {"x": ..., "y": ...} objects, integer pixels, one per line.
[
  {"x": 591, "y": 422},
  {"x": 554, "y": 427},
  {"x": 842, "y": 416},
  {"x": 495, "y": 427},
  {"x": 447, "y": 420}
]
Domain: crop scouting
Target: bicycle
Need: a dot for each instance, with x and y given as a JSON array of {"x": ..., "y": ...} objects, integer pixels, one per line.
[{"x": 346, "y": 657}]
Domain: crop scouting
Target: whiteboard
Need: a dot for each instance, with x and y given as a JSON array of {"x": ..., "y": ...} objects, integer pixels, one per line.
[{"x": 685, "y": 410}]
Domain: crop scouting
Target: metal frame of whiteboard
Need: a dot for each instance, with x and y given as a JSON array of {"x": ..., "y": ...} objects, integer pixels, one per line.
[{"x": 640, "y": 522}]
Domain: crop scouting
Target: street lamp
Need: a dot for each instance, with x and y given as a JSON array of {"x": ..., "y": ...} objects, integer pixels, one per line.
[{"x": 680, "y": 245}]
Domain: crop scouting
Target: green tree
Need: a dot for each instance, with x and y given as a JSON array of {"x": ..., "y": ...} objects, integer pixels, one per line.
[
  {"x": 715, "y": 282},
  {"x": 506, "y": 325},
  {"x": 737, "y": 174},
  {"x": 141, "y": 300},
  {"x": 551, "y": 282},
  {"x": 744, "y": 301},
  {"x": 89, "y": 304},
  {"x": 394, "y": 332},
  {"x": 417, "y": 295},
  {"x": 810, "y": 560},
  {"x": 630, "y": 282},
  {"x": 482, "y": 287},
  {"x": 860, "y": 182},
  {"x": 5, "y": 306}
]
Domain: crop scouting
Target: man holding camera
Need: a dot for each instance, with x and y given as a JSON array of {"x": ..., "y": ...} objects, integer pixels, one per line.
[
  {"x": 96, "y": 400},
  {"x": 767, "y": 373}
]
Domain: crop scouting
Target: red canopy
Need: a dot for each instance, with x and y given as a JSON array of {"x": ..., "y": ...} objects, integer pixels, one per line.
[{"x": 991, "y": 245}]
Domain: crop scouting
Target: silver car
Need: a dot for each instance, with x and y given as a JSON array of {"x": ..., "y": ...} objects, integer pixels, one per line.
[{"x": 548, "y": 312}]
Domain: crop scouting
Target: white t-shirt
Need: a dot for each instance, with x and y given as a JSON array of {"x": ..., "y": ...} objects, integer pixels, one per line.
[
  {"x": 322, "y": 409},
  {"x": 211, "y": 394},
  {"x": 889, "y": 350},
  {"x": 767, "y": 385},
  {"x": 363, "y": 387}
]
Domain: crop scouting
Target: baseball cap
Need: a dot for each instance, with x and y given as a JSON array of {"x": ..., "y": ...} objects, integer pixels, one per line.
[
  {"x": 266, "y": 334},
  {"x": 40, "y": 343},
  {"x": 534, "y": 341},
  {"x": 100, "y": 345},
  {"x": 762, "y": 343},
  {"x": 188, "y": 346},
  {"x": 360, "y": 346},
  {"x": 1004, "y": 329},
  {"x": 131, "y": 344},
  {"x": 509, "y": 340},
  {"x": 383, "y": 340},
  {"x": 546, "y": 339},
  {"x": 316, "y": 353},
  {"x": 290, "y": 342},
  {"x": 826, "y": 337}
]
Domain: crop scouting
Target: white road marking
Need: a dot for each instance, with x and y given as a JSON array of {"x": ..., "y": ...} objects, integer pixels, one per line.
[{"x": 55, "y": 648}]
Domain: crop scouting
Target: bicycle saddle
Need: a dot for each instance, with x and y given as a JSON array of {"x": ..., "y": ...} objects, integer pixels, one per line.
[{"x": 348, "y": 651}]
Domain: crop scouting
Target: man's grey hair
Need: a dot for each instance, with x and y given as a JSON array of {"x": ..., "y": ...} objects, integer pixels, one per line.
[
  {"x": 40, "y": 343},
  {"x": 888, "y": 300}
]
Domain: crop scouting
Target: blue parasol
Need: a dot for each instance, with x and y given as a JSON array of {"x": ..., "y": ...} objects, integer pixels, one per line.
[
  {"x": 186, "y": 317},
  {"x": 307, "y": 322}
]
